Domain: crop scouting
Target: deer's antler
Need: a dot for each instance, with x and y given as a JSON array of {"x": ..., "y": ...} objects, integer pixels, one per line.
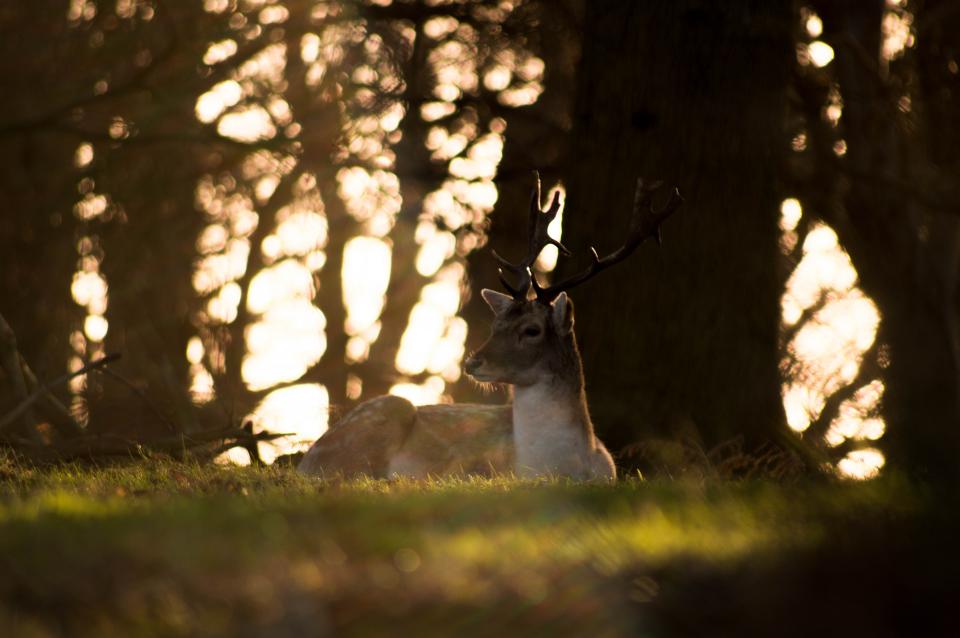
[
  {"x": 537, "y": 238},
  {"x": 644, "y": 223}
]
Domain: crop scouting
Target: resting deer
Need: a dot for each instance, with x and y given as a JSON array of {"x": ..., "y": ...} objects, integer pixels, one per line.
[{"x": 546, "y": 431}]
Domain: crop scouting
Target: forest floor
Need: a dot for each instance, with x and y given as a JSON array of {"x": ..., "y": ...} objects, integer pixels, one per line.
[{"x": 161, "y": 548}]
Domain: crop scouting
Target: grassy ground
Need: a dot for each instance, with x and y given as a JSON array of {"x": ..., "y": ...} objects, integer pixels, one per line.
[{"x": 172, "y": 549}]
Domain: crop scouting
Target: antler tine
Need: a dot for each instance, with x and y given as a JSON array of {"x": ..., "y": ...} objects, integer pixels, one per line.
[
  {"x": 537, "y": 239},
  {"x": 644, "y": 223}
]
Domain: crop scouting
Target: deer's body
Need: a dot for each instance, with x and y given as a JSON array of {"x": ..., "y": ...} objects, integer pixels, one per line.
[
  {"x": 545, "y": 432},
  {"x": 532, "y": 348},
  {"x": 390, "y": 437}
]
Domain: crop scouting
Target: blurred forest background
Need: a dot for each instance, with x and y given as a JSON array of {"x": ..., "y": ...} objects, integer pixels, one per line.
[{"x": 280, "y": 208}]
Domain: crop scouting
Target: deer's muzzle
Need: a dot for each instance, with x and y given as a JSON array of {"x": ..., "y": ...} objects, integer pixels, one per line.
[{"x": 473, "y": 364}]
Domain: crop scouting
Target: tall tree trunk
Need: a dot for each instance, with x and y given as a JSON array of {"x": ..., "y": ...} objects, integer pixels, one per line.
[
  {"x": 536, "y": 138},
  {"x": 907, "y": 257},
  {"x": 692, "y": 93},
  {"x": 332, "y": 368},
  {"x": 418, "y": 176},
  {"x": 38, "y": 235},
  {"x": 920, "y": 402}
]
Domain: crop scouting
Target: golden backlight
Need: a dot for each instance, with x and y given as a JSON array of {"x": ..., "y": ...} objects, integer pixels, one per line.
[
  {"x": 287, "y": 333},
  {"x": 832, "y": 325},
  {"x": 259, "y": 263}
]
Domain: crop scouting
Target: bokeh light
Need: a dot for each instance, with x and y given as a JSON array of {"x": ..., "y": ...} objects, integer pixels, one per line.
[{"x": 831, "y": 325}]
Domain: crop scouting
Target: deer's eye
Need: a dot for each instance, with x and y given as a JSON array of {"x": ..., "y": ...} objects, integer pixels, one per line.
[{"x": 531, "y": 331}]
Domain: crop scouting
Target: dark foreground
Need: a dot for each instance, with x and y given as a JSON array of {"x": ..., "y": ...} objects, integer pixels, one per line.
[{"x": 171, "y": 550}]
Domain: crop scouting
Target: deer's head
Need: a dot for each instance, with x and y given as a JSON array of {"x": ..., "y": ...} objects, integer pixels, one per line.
[
  {"x": 532, "y": 336},
  {"x": 528, "y": 340}
]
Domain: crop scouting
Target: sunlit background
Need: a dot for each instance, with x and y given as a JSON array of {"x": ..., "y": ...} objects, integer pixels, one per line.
[{"x": 272, "y": 247}]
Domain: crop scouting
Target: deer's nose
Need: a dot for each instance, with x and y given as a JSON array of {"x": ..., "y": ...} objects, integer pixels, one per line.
[{"x": 472, "y": 364}]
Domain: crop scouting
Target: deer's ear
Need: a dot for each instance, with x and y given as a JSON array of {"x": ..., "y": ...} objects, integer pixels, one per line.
[
  {"x": 497, "y": 301},
  {"x": 562, "y": 312}
]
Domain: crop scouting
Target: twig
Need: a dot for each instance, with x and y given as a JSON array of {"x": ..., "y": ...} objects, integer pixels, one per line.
[
  {"x": 39, "y": 392},
  {"x": 788, "y": 333},
  {"x": 868, "y": 371},
  {"x": 143, "y": 396}
]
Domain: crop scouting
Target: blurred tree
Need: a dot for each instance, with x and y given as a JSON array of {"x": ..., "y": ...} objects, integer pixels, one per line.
[
  {"x": 537, "y": 139},
  {"x": 165, "y": 207},
  {"x": 104, "y": 162},
  {"x": 116, "y": 151},
  {"x": 892, "y": 198},
  {"x": 115, "y": 129},
  {"x": 37, "y": 176},
  {"x": 685, "y": 337}
]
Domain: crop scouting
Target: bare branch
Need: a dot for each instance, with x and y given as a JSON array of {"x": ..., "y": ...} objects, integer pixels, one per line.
[
  {"x": 207, "y": 136},
  {"x": 869, "y": 370},
  {"x": 51, "y": 118},
  {"x": 788, "y": 333}
]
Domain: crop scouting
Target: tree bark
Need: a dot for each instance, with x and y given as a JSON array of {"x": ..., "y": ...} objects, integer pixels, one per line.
[
  {"x": 536, "y": 138},
  {"x": 692, "y": 93},
  {"x": 418, "y": 176},
  {"x": 906, "y": 254}
]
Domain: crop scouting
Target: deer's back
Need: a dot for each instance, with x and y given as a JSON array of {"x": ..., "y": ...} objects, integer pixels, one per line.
[
  {"x": 457, "y": 439},
  {"x": 389, "y": 436}
]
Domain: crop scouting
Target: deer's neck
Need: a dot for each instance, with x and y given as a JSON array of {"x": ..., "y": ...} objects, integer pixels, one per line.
[{"x": 551, "y": 423}]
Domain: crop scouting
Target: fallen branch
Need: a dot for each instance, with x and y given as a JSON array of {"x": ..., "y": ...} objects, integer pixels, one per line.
[
  {"x": 111, "y": 446},
  {"x": 26, "y": 404}
]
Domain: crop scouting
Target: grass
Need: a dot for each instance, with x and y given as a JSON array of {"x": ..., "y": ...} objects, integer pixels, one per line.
[{"x": 171, "y": 549}]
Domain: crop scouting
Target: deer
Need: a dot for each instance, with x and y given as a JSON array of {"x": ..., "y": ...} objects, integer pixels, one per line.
[{"x": 546, "y": 430}]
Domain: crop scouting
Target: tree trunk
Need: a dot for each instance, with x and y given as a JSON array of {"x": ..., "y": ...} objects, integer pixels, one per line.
[
  {"x": 920, "y": 402},
  {"x": 906, "y": 255},
  {"x": 692, "y": 93},
  {"x": 536, "y": 139},
  {"x": 418, "y": 176}
]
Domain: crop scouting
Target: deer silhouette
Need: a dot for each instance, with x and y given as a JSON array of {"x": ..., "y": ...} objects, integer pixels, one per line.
[{"x": 546, "y": 430}]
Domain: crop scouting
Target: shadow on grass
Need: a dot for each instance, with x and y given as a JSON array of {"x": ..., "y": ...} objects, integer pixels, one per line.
[{"x": 170, "y": 549}]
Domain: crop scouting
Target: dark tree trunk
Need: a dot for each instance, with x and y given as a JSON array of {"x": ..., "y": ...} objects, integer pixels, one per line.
[
  {"x": 147, "y": 264},
  {"x": 38, "y": 239},
  {"x": 692, "y": 93},
  {"x": 322, "y": 121},
  {"x": 920, "y": 403},
  {"x": 906, "y": 255},
  {"x": 332, "y": 369},
  {"x": 48, "y": 110},
  {"x": 536, "y": 138}
]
